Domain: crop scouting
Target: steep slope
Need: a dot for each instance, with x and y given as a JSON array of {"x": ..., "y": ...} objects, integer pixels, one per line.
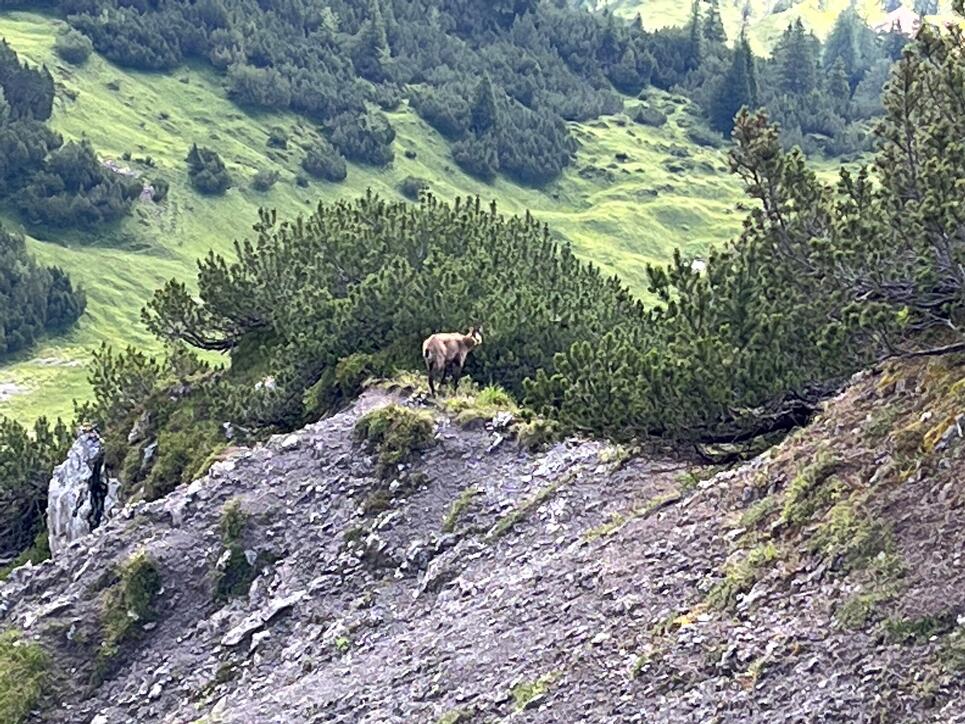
[
  {"x": 823, "y": 580},
  {"x": 633, "y": 194}
]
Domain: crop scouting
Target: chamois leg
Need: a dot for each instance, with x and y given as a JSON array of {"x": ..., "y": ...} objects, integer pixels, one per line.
[
  {"x": 456, "y": 375},
  {"x": 432, "y": 384}
]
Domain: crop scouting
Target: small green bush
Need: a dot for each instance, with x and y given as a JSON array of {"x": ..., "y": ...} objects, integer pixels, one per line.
[
  {"x": 126, "y": 607},
  {"x": 395, "y": 432},
  {"x": 326, "y": 163},
  {"x": 741, "y": 576},
  {"x": 278, "y": 138},
  {"x": 263, "y": 180},
  {"x": 207, "y": 171},
  {"x": 412, "y": 187},
  {"x": 810, "y": 490},
  {"x": 160, "y": 192},
  {"x": 470, "y": 405},
  {"x": 705, "y": 137},
  {"x": 24, "y": 675},
  {"x": 73, "y": 46},
  {"x": 235, "y": 575}
]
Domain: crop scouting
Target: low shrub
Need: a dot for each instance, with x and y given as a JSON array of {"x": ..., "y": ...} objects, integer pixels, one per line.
[
  {"x": 649, "y": 116},
  {"x": 395, "y": 433},
  {"x": 412, "y": 187},
  {"x": 73, "y": 46},
  {"x": 24, "y": 675},
  {"x": 324, "y": 162},
  {"x": 263, "y": 180}
]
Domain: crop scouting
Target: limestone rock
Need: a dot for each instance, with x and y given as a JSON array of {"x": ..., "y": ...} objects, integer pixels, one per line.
[{"x": 81, "y": 495}]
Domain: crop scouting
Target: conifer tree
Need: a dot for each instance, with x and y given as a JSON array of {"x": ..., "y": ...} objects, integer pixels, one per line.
[
  {"x": 695, "y": 48},
  {"x": 738, "y": 88},
  {"x": 796, "y": 57},
  {"x": 713, "y": 27},
  {"x": 483, "y": 114},
  {"x": 372, "y": 55}
]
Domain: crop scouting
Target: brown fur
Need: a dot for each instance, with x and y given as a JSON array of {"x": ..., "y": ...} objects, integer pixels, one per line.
[{"x": 446, "y": 353}]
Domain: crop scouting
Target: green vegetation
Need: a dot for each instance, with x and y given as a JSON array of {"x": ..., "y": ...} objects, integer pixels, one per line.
[
  {"x": 521, "y": 511},
  {"x": 740, "y": 577},
  {"x": 27, "y": 459},
  {"x": 234, "y": 573},
  {"x": 526, "y": 692},
  {"x": 471, "y": 405},
  {"x": 458, "y": 507},
  {"x": 812, "y": 489},
  {"x": 395, "y": 433},
  {"x": 127, "y": 605},
  {"x": 24, "y": 676},
  {"x": 34, "y": 300},
  {"x": 758, "y": 512},
  {"x": 456, "y": 716},
  {"x": 618, "y": 520},
  {"x": 74, "y": 47},
  {"x": 850, "y": 533},
  {"x": 918, "y": 630},
  {"x": 207, "y": 171}
]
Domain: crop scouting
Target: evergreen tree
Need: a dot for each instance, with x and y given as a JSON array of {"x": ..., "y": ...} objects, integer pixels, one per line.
[
  {"x": 713, "y": 26},
  {"x": 372, "y": 55},
  {"x": 737, "y": 89},
  {"x": 796, "y": 58},
  {"x": 482, "y": 114},
  {"x": 695, "y": 50}
]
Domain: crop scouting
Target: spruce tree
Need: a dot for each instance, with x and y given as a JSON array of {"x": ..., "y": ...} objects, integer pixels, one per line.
[
  {"x": 372, "y": 55},
  {"x": 738, "y": 88},
  {"x": 713, "y": 27},
  {"x": 796, "y": 58},
  {"x": 695, "y": 49},
  {"x": 483, "y": 114}
]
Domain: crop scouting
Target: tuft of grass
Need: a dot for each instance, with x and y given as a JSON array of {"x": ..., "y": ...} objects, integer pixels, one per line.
[
  {"x": 24, "y": 676},
  {"x": 395, "y": 433},
  {"x": 741, "y": 576},
  {"x": 525, "y": 692},
  {"x": 537, "y": 433},
  {"x": 519, "y": 513},
  {"x": 234, "y": 576},
  {"x": 38, "y": 551},
  {"x": 758, "y": 512},
  {"x": 125, "y": 608},
  {"x": 456, "y": 716},
  {"x": 918, "y": 630},
  {"x": 343, "y": 644},
  {"x": 852, "y": 535},
  {"x": 810, "y": 490},
  {"x": 951, "y": 654},
  {"x": 473, "y": 406},
  {"x": 617, "y": 520},
  {"x": 458, "y": 507}
]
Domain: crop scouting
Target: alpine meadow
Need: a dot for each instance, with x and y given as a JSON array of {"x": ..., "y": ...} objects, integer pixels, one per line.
[{"x": 463, "y": 360}]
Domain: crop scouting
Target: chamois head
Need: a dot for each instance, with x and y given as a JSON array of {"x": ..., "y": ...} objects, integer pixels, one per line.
[{"x": 476, "y": 334}]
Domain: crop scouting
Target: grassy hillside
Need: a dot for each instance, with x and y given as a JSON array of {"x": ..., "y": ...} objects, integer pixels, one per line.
[
  {"x": 633, "y": 194},
  {"x": 765, "y": 25}
]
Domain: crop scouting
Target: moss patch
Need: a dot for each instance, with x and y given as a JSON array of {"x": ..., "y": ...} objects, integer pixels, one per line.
[
  {"x": 851, "y": 534},
  {"x": 126, "y": 606},
  {"x": 24, "y": 676},
  {"x": 475, "y": 406},
  {"x": 812, "y": 489},
  {"x": 918, "y": 630},
  {"x": 526, "y": 692},
  {"x": 741, "y": 576},
  {"x": 395, "y": 433},
  {"x": 458, "y": 507},
  {"x": 234, "y": 574},
  {"x": 506, "y": 523},
  {"x": 618, "y": 520}
]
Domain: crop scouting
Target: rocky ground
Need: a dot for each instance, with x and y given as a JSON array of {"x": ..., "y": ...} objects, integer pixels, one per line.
[{"x": 823, "y": 581}]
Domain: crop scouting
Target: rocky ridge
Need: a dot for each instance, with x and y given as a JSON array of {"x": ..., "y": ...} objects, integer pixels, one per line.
[{"x": 580, "y": 583}]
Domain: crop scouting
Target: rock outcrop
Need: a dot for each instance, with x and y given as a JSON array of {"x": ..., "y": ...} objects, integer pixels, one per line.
[
  {"x": 81, "y": 495},
  {"x": 823, "y": 581}
]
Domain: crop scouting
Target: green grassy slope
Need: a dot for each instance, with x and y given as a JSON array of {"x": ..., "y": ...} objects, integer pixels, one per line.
[
  {"x": 662, "y": 192},
  {"x": 765, "y": 25}
]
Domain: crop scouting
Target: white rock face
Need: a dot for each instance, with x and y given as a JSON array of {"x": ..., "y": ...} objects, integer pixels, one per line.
[{"x": 80, "y": 496}]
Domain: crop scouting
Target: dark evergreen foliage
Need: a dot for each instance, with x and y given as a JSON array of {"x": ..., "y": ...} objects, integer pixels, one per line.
[
  {"x": 27, "y": 459},
  {"x": 324, "y": 162},
  {"x": 73, "y": 46},
  {"x": 34, "y": 300},
  {"x": 207, "y": 171}
]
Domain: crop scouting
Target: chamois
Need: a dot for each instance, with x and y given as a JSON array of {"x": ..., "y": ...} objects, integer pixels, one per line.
[{"x": 446, "y": 354}]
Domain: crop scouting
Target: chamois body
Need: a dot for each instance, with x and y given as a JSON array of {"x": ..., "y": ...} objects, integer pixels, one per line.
[{"x": 445, "y": 354}]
